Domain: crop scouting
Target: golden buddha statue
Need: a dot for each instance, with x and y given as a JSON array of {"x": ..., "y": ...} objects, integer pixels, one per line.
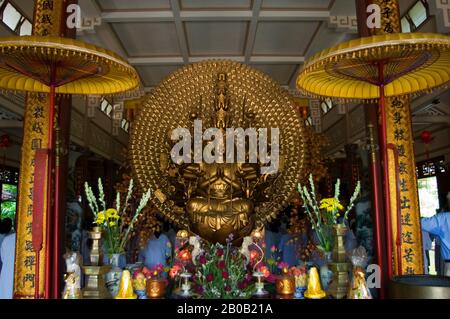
[
  {"x": 216, "y": 199},
  {"x": 219, "y": 196},
  {"x": 219, "y": 206}
]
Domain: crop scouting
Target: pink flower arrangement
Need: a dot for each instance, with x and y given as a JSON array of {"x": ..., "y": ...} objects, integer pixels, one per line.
[
  {"x": 175, "y": 270},
  {"x": 283, "y": 265}
]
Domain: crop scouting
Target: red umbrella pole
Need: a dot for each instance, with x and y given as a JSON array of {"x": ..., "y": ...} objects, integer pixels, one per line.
[
  {"x": 57, "y": 221},
  {"x": 376, "y": 198},
  {"x": 383, "y": 143},
  {"x": 49, "y": 248}
]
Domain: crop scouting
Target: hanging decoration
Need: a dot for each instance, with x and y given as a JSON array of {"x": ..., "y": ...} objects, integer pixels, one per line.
[{"x": 426, "y": 137}]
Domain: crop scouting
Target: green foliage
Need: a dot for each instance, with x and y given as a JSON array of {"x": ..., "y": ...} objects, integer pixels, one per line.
[
  {"x": 221, "y": 273},
  {"x": 8, "y": 210}
]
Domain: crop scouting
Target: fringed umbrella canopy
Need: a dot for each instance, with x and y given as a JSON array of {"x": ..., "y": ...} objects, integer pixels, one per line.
[
  {"x": 412, "y": 63},
  {"x": 34, "y": 63}
]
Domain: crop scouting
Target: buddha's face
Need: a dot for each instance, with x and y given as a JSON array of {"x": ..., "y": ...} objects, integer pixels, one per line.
[{"x": 220, "y": 189}]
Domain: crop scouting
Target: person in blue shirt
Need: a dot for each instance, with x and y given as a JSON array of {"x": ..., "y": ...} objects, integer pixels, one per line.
[
  {"x": 157, "y": 251},
  {"x": 427, "y": 244},
  {"x": 289, "y": 245},
  {"x": 5, "y": 229},
  {"x": 439, "y": 225},
  {"x": 7, "y": 253}
]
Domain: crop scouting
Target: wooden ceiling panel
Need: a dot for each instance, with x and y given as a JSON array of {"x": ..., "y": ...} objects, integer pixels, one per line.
[
  {"x": 148, "y": 38},
  {"x": 282, "y": 73},
  {"x": 153, "y": 75},
  {"x": 220, "y": 38},
  {"x": 284, "y": 38}
]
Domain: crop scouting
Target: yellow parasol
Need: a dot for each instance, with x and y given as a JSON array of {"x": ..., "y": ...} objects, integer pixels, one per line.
[
  {"x": 57, "y": 65},
  {"x": 376, "y": 67}
]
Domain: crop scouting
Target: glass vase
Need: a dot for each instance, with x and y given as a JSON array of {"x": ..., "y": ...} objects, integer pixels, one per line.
[
  {"x": 114, "y": 275},
  {"x": 326, "y": 274}
]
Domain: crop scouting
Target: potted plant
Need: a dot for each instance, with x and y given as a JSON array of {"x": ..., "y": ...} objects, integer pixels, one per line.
[{"x": 116, "y": 231}]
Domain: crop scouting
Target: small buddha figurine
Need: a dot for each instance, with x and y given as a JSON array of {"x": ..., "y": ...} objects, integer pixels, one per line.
[
  {"x": 358, "y": 288},
  {"x": 72, "y": 290},
  {"x": 126, "y": 287},
  {"x": 314, "y": 290}
]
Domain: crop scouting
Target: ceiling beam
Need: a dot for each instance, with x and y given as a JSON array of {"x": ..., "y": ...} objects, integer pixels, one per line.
[
  {"x": 251, "y": 35},
  {"x": 156, "y": 60},
  {"x": 203, "y": 58},
  {"x": 11, "y": 124},
  {"x": 182, "y": 42},
  {"x": 220, "y": 15},
  {"x": 137, "y": 16},
  {"x": 137, "y": 61},
  {"x": 305, "y": 15},
  {"x": 427, "y": 119},
  {"x": 216, "y": 15},
  {"x": 260, "y": 59}
]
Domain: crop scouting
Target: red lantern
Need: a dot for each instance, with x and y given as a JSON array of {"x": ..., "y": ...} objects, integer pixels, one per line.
[
  {"x": 5, "y": 142},
  {"x": 426, "y": 137}
]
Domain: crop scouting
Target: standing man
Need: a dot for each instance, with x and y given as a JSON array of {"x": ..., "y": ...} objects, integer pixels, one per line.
[
  {"x": 439, "y": 225},
  {"x": 7, "y": 253}
]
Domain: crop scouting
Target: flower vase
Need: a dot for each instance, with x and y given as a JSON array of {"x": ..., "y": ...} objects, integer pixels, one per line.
[
  {"x": 326, "y": 274},
  {"x": 340, "y": 267},
  {"x": 299, "y": 293},
  {"x": 141, "y": 294},
  {"x": 114, "y": 275}
]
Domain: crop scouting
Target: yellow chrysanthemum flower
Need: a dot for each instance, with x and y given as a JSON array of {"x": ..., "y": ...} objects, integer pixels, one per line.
[
  {"x": 100, "y": 218},
  {"x": 112, "y": 214},
  {"x": 331, "y": 205}
]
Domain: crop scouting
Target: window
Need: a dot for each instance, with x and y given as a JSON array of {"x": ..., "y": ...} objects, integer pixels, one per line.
[
  {"x": 326, "y": 106},
  {"x": 26, "y": 28},
  {"x": 103, "y": 105},
  {"x": 9, "y": 179},
  {"x": 11, "y": 16},
  {"x": 125, "y": 125},
  {"x": 107, "y": 108},
  {"x": 415, "y": 17},
  {"x": 14, "y": 19},
  {"x": 431, "y": 168},
  {"x": 418, "y": 14},
  {"x": 406, "y": 27}
]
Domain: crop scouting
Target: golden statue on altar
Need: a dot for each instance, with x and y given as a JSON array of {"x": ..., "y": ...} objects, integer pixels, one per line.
[
  {"x": 221, "y": 196},
  {"x": 218, "y": 198}
]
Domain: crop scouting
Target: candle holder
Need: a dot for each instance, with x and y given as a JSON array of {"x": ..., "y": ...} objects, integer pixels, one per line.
[
  {"x": 95, "y": 272},
  {"x": 259, "y": 285},
  {"x": 186, "y": 285}
]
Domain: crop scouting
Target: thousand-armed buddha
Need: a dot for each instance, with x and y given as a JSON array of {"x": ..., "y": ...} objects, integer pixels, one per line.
[
  {"x": 205, "y": 141},
  {"x": 221, "y": 188}
]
